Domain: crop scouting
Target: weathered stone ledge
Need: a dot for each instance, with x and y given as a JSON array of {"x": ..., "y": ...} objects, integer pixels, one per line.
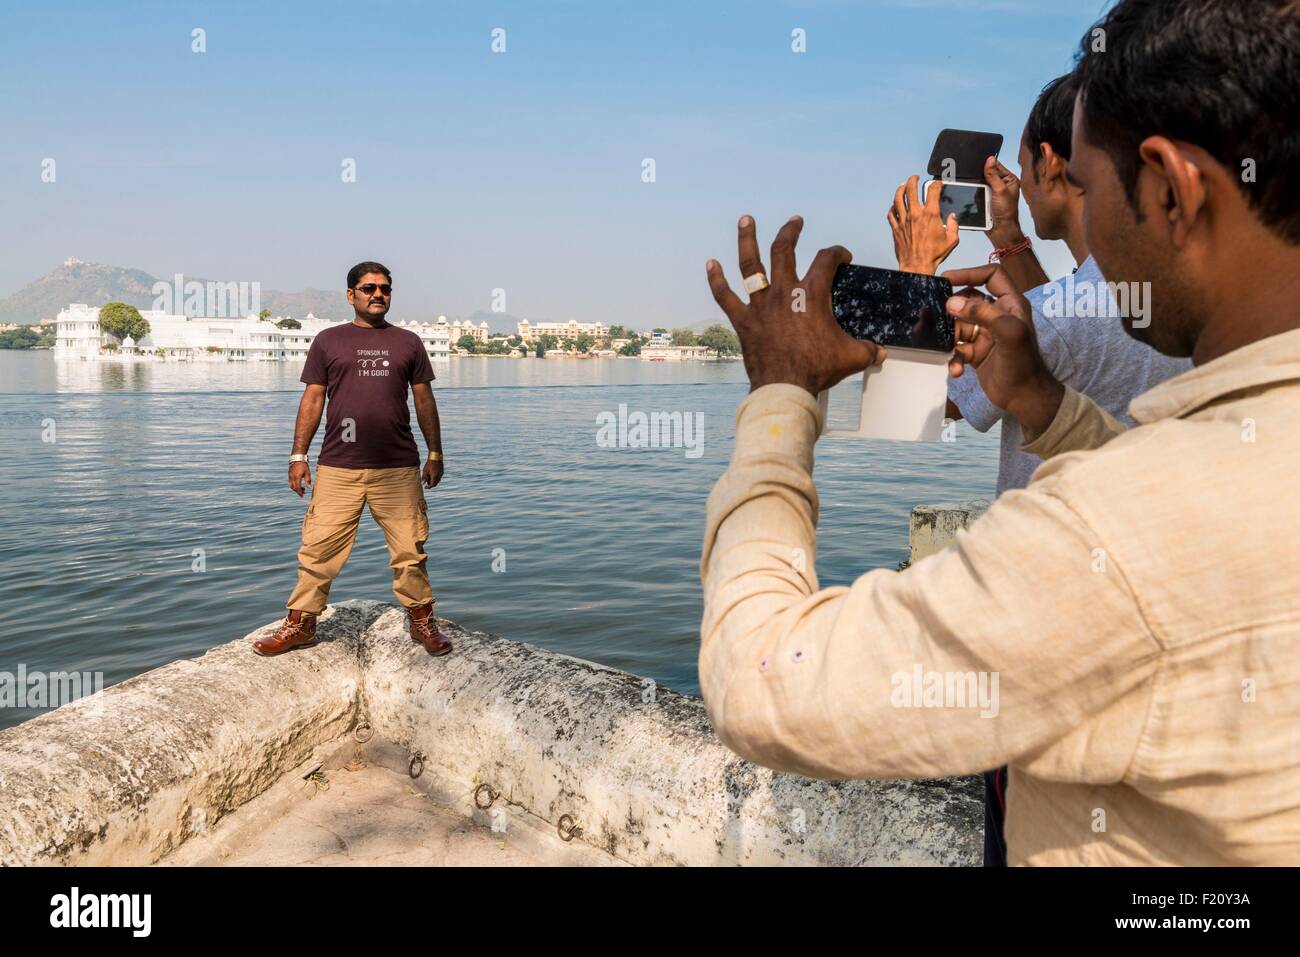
[{"x": 128, "y": 776}]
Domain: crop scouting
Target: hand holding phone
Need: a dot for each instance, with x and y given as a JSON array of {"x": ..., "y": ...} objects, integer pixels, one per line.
[
  {"x": 923, "y": 238},
  {"x": 892, "y": 308},
  {"x": 957, "y": 164},
  {"x": 1004, "y": 203},
  {"x": 999, "y": 342},
  {"x": 788, "y": 333},
  {"x": 905, "y": 398}
]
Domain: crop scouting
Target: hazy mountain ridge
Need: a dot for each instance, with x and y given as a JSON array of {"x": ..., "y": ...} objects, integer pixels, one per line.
[{"x": 96, "y": 284}]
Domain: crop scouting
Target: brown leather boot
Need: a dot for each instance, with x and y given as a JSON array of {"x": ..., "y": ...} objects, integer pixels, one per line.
[
  {"x": 298, "y": 631},
  {"x": 424, "y": 630}
]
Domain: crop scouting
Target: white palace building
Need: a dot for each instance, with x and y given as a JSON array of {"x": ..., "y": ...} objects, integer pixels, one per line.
[
  {"x": 532, "y": 331},
  {"x": 186, "y": 338}
]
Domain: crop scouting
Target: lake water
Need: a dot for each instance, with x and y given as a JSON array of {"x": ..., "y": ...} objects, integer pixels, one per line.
[{"x": 151, "y": 461}]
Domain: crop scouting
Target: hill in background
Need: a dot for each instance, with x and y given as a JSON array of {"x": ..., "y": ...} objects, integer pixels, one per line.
[{"x": 96, "y": 284}]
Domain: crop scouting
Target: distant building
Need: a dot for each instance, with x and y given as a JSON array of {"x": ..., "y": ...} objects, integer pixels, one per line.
[
  {"x": 671, "y": 353},
  {"x": 457, "y": 329},
  {"x": 436, "y": 336},
  {"x": 246, "y": 339},
  {"x": 531, "y": 331}
]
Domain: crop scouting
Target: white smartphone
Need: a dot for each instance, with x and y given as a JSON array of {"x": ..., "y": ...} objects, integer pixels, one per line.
[{"x": 970, "y": 201}]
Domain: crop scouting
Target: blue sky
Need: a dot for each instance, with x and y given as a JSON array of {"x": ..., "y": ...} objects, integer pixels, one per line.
[{"x": 476, "y": 171}]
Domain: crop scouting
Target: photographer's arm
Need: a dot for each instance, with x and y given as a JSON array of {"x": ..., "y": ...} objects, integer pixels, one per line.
[
  {"x": 1015, "y": 376},
  {"x": 1079, "y": 424},
  {"x": 820, "y": 681},
  {"x": 1023, "y": 268},
  {"x": 824, "y": 681}
]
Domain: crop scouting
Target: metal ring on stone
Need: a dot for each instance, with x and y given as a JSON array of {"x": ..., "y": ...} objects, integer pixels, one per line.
[
  {"x": 567, "y": 828},
  {"x": 756, "y": 283},
  {"x": 491, "y": 796},
  {"x": 363, "y": 732},
  {"x": 416, "y": 767}
]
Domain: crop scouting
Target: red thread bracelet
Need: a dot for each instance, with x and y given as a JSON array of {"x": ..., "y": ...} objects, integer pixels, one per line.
[{"x": 1000, "y": 254}]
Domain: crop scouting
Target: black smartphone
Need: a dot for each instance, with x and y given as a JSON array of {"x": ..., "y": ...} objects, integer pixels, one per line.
[
  {"x": 959, "y": 155},
  {"x": 891, "y": 308}
]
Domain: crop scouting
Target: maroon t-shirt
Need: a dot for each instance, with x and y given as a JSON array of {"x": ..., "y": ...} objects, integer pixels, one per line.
[{"x": 366, "y": 373}]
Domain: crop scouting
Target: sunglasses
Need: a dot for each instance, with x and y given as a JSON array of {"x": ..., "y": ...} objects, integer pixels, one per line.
[{"x": 369, "y": 288}]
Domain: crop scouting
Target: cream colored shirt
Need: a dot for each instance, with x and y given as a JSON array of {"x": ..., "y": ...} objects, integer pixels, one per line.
[{"x": 1124, "y": 633}]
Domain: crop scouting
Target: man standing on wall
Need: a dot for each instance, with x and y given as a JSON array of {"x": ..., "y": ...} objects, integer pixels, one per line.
[{"x": 369, "y": 457}]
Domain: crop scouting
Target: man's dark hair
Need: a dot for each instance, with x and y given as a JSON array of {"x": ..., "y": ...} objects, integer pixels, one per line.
[
  {"x": 1221, "y": 74},
  {"x": 360, "y": 269},
  {"x": 1051, "y": 120}
]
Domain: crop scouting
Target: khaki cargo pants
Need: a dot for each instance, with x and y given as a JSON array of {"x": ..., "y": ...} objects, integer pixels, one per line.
[{"x": 329, "y": 529}]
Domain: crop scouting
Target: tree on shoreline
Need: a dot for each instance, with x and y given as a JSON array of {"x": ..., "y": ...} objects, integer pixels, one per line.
[
  {"x": 27, "y": 337},
  {"x": 721, "y": 340},
  {"x": 120, "y": 319}
]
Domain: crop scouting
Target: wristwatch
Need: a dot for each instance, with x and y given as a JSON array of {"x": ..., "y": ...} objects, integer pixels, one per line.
[
  {"x": 297, "y": 457},
  {"x": 435, "y": 456}
]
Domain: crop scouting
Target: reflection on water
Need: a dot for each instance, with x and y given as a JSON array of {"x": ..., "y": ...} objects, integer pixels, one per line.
[
  {"x": 39, "y": 371},
  {"x": 601, "y": 545}
]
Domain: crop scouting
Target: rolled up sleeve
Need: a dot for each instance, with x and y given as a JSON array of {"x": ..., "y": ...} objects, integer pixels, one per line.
[
  {"x": 832, "y": 682},
  {"x": 1079, "y": 425}
]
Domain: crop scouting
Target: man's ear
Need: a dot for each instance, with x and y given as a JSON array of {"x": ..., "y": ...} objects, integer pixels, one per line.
[
  {"x": 1171, "y": 186},
  {"x": 1053, "y": 167}
]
